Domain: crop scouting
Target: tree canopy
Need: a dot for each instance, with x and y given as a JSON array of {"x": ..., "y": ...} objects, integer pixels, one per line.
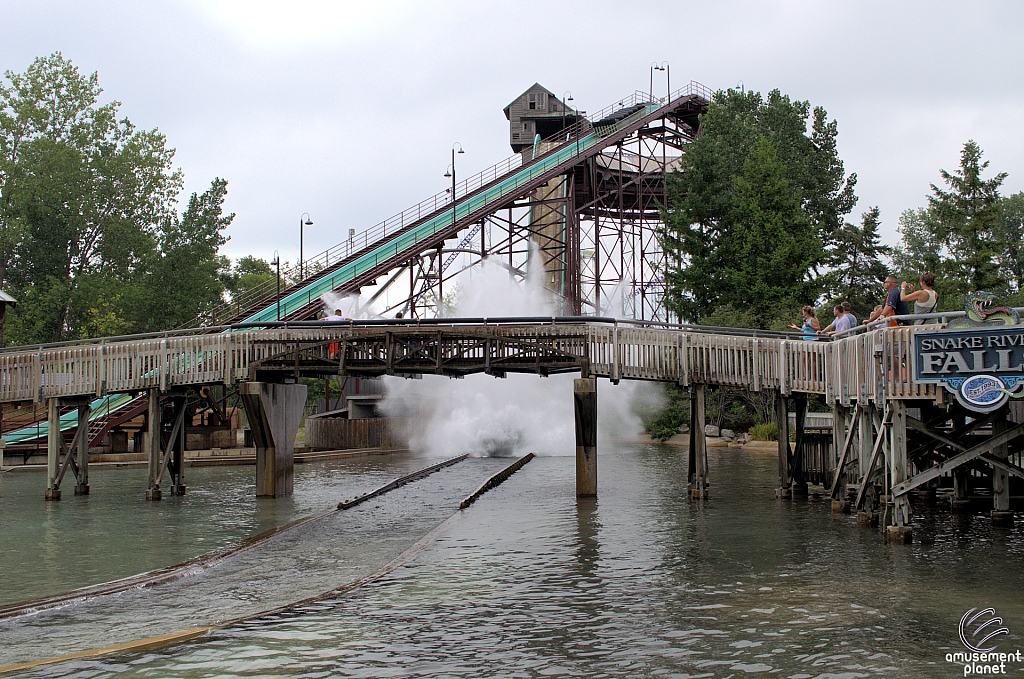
[
  {"x": 968, "y": 235},
  {"x": 90, "y": 239},
  {"x": 755, "y": 208}
]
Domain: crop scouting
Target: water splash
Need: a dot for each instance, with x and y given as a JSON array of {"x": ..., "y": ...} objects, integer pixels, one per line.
[{"x": 485, "y": 416}]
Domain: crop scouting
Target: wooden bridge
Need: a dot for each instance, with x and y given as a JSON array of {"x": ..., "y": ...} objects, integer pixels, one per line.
[{"x": 893, "y": 433}]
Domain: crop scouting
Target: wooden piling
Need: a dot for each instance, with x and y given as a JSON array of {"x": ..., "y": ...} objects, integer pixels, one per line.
[
  {"x": 782, "y": 422},
  {"x": 53, "y": 441},
  {"x": 697, "y": 473},
  {"x": 585, "y": 408},
  {"x": 153, "y": 491},
  {"x": 82, "y": 487}
]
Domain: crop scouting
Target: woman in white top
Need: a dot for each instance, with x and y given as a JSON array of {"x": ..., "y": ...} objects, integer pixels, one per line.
[{"x": 925, "y": 300}]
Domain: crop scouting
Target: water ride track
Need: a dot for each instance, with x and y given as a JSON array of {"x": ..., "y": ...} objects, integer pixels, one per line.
[{"x": 357, "y": 262}]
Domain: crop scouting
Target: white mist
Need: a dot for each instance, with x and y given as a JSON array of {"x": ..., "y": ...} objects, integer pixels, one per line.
[{"x": 483, "y": 415}]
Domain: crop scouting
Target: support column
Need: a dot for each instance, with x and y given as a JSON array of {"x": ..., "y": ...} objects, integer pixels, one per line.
[
  {"x": 82, "y": 487},
  {"x": 176, "y": 463},
  {"x": 584, "y": 398},
  {"x": 840, "y": 427},
  {"x": 1001, "y": 514},
  {"x": 865, "y": 437},
  {"x": 697, "y": 474},
  {"x": 274, "y": 412},
  {"x": 52, "y": 448},
  {"x": 797, "y": 465},
  {"x": 899, "y": 529},
  {"x": 782, "y": 423},
  {"x": 155, "y": 444}
]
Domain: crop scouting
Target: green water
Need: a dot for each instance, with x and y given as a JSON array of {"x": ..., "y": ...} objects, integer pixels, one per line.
[
  {"x": 639, "y": 583},
  {"x": 48, "y": 548}
]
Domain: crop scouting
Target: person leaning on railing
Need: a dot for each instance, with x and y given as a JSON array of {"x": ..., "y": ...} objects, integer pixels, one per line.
[
  {"x": 811, "y": 326},
  {"x": 844, "y": 319},
  {"x": 893, "y": 305}
]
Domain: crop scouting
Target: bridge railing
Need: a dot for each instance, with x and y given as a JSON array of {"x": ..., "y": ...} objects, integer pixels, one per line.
[{"x": 870, "y": 366}]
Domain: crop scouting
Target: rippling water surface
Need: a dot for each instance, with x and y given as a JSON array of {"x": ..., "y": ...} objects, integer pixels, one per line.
[
  {"x": 48, "y": 548},
  {"x": 641, "y": 582}
]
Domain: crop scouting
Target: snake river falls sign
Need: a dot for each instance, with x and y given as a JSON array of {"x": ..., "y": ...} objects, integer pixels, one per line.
[{"x": 983, "y": 366}]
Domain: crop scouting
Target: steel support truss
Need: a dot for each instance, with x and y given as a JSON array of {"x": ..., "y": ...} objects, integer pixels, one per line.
[{"x": 590, "y": 234}]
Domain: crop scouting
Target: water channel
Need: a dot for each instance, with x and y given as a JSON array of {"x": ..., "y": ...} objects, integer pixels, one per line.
[{"x": 528, "y": 582}]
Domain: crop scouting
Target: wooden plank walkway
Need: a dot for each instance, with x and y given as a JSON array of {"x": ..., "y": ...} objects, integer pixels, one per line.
[{"x": 868, "y": 368}]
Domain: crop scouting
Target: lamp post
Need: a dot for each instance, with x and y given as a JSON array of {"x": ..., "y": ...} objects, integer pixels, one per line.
[
  {"x": 663, "y": 66},
  {"x": 564, "y": 99},
  {"x": 302, "y": 225},
  {"x": 277, "y": 263},
  {"x": 450, "y": 172}
]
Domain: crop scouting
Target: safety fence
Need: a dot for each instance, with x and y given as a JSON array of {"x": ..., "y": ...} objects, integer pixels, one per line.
[{"x": 873, "y": 366}]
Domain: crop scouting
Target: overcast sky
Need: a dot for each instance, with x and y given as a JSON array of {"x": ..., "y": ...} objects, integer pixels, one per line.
[{"x": 347, "y": 110}]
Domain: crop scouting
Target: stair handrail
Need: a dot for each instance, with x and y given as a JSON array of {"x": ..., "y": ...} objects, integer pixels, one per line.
[{"x": 431, "y": 205}]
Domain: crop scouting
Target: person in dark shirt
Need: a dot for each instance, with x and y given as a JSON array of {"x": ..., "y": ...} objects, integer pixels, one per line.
[{"x": 893, "y": 306}]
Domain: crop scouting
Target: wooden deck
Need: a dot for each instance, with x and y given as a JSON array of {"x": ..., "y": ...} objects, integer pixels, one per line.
[{"x": 870, "y": 367}]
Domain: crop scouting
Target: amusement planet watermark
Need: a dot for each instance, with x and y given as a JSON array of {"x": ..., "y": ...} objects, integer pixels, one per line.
[{"x": 980, "y": 658}]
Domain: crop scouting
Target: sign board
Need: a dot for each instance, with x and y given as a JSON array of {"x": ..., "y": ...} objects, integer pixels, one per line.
[{"x": 982, "y": 366}]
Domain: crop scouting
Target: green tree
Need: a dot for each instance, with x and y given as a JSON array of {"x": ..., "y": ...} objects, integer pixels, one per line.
[
  {"x": 700, "y": 219},
  {"x": 80, "y": 193},
  {"x": 857, "y": 267},
  {"x": 919, "y": 249},
  {"x": 187, "y": 279},
  {"x": 1011, "y": 234},
  {"x": 250, "y": 273},
  {"x": 772, "y": 245},
  {"x": 968, "y": 218}
]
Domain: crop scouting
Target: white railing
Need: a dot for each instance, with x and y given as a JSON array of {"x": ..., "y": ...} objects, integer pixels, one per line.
[{"x": 871, "y": 366}]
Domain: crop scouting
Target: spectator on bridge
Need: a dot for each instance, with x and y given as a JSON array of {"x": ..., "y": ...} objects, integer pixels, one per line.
[
  {"x": 848, "y": 317},
  {"x": 844, "y": 319},
  {"x": 893, "y": 305},
  {"x": 336, "y": 317},
  {"x": 925, "y": 300},
  {"x": 810, "y": 326},
  {"x": 837, "y": 311}
]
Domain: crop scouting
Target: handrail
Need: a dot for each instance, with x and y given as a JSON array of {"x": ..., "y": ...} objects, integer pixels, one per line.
[
  {"x": 443, "y": 199},
  {"x": 940, "y": 316}
]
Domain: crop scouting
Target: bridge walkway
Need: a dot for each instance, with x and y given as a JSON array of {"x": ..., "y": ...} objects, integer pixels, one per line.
[{"x": 892, "y": 435}]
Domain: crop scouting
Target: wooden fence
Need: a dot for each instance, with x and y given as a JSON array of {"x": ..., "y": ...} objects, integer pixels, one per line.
[{"x": 872, "y": 366}]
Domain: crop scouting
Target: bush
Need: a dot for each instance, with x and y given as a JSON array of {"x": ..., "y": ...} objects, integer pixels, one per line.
[
  {"x": 665, "y": 424},
  {"x": 767, "y": 431}
]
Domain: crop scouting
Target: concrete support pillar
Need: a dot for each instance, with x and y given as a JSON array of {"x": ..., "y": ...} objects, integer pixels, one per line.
[
  {"x": 797, "y": 465},
  {"x": 155, "y": 444},
  {"x": 82, "y": 487},
  {"x": 899, "y": 529},
  {"x": 584, "y": 398},
  {"x": 52, "y": 448},
  {"x": 1001, "y": 514},
  {"x": 782, "y": 422},
  {"x": 697, "y": 473},
  {"x": 274, "y": 412}
]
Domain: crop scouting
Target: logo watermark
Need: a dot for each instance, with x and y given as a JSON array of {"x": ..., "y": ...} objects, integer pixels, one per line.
[{"x": 978, "y": 628}]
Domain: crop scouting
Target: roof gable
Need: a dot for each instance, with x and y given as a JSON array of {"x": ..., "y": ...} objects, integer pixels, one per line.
[{"x": 535, "y": 87}]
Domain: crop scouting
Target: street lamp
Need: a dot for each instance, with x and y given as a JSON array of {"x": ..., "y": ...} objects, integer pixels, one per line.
[
  {"x": 302, "y": 225},
  {"x": 277, "y": 263},
  {"x": 564, "y": 99},
  {"x": 663, "y": 66},
  {"x": 450, "y": 172}
]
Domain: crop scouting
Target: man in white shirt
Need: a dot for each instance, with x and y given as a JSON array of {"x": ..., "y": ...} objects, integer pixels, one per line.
[
  {"x": 844, "y": 319},
  {"x": 336, "y": 317}
]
